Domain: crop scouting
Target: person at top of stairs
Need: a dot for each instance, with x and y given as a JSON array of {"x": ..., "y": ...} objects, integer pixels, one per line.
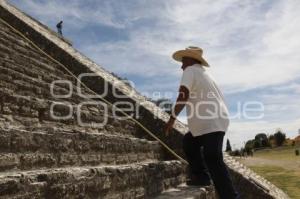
[{"x": 59, "y": 28}]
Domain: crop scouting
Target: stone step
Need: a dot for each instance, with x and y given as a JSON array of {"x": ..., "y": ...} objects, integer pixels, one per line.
[
  {"x": 15, "y": 103},
  {"x": 23, "y": 150},
  {"x": 35, "y": 112},
  {"x": 14, "y": 48},
  {"x": 12, "y": 40},
  {"x": 188, "y": 192},
  {"x": 32, "y": 72},
  {"x": 31, "y": 66},
  {"x": 29, "y": 106},
  {"x": 141, "y": 180},
  {"x": 22, "y": 83},
  {"x": 21, "y": 122}
]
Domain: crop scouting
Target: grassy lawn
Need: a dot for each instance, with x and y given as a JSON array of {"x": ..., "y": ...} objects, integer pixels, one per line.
[
  {"x": 281, "y": 153},
  {"x": 287, "y": 180},
  {"x": 280, "y": 166}
]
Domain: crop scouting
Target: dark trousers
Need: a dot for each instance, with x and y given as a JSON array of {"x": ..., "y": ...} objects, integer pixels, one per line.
[
  {"x": 205, "y": 156},
  {"x": 59, "y": 31}
]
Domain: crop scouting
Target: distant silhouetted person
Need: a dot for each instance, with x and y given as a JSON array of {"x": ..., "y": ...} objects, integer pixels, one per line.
[{"x": 59, "y": 27}]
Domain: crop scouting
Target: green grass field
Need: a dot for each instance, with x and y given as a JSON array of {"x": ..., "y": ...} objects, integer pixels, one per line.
[
  {"x": 280, "y": 153},
  {"x": 280, "y": 166}
]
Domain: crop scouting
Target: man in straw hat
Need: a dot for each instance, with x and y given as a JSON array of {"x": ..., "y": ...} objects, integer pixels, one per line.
[{"x": 207, "y": 121}]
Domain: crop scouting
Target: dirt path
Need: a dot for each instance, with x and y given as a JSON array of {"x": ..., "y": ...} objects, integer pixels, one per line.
[{"x": 258, "y": 161}]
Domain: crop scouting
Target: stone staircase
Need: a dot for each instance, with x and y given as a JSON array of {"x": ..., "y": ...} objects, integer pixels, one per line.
[
  {"x": 48, "y": 149},
  {"x": 42, "y": 157}
]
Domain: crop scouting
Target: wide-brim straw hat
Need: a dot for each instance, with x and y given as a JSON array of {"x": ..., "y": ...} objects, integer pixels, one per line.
[{"x": 192, "y": 52}]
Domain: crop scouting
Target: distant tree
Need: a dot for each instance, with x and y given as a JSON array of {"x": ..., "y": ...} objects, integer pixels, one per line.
[
  {"x": 228, "y": 146},
  {"x": 256, "y": 144},
  {"x": 262, "y": 140},
  {"x": 297, "y": 152},
  {"x": 236, "y": 152},
  {"x": 271, "y": 139},
  {"x": 279, "y": 138},
  {"x": 249, "y": 146},
  {"x": 243, "y": 152}
]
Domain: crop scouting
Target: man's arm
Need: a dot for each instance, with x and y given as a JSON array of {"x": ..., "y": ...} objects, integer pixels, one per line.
[{"x": 182, "y": 98}]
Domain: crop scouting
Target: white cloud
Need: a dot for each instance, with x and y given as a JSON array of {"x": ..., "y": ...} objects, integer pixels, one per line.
[
  {"x": 80, "y": 14},
  {"x": 281, "y": 107},
  {"x": 238, "y": 38},
  {"x": 291, "y": 88}
]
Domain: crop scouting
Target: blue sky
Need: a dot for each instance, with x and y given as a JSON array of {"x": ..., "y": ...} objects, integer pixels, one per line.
[{"x": 252, "y": 46}]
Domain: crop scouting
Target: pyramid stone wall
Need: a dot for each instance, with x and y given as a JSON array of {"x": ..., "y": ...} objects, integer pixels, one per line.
[{"x": 44, "y": 157}]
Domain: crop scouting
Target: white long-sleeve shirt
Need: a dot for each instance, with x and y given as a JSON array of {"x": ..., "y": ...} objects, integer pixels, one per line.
[{"x": 206, "y": 109}]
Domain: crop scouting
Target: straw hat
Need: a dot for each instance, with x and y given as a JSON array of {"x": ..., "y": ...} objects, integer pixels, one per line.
[{"x": 192, "y": 52}]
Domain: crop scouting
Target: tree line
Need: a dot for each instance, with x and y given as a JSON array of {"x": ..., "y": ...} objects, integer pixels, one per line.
[{"x": 260, "y": 141}]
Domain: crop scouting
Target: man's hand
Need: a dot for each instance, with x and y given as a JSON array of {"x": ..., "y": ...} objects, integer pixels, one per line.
[
  {"x": 169, "y": 126},
  {"x": 183, "y": 96}
]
